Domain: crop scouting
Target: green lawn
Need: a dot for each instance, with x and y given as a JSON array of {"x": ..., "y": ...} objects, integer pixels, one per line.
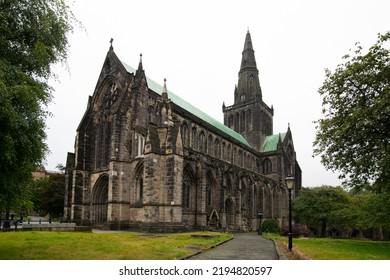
[
  {"x": 40, "y": 245},
  {"x": 339, "y": 249}
]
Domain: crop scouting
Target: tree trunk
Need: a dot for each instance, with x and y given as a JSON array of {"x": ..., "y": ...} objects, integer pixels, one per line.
[
  {"x": 323, "y": 228},
  {"x": 6, "y": 223}
]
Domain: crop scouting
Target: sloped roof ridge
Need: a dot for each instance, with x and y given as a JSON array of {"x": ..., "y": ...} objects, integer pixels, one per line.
[
  {"x": 271, "y": 142},
  {"x": 190, "y": 108}
]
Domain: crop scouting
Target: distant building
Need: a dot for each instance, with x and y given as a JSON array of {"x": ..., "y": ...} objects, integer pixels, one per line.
[
  {"x": 145, "y": 159},
  {"x": 41, "y": 172}
]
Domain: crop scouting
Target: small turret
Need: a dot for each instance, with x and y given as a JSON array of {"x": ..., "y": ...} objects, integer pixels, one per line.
[{"x": 164, "y": 93}]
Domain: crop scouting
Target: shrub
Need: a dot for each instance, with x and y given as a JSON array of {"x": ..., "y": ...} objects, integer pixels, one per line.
[
  {"x": 270, "y": 226},
  {"x": 297, "y": 230}
]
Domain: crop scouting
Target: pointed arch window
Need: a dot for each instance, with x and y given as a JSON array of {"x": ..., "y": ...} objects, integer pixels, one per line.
[
  {"x": 139, "y": 144},
  {"x": 202, "y": 142},
  {"x": 187, "y": 182},
  {"x": 103, "y": 142},
  {"x": 186, "y": 190},
  {"x": 189, "y": 189},
  {"x": 237, "y": 122},
  {"x": 210, "y": 146},
  {"x": 184, "y": 132},
  {"x": 240, "y": 154},
  {"x": 217, "y": 148},
  {"x": 231, "y": 121},
  {"x": 151, "y": 115},
  {"x": 208, "y": 190},
  {"x": 243, "y": 121},
  {"x": 249, "y": 119},
  {"x": 228, "y": 185},
  {"x": 138, "y": 190},
  {"x": 267, "y": 166},
  {"x": 194, "y": 138}
]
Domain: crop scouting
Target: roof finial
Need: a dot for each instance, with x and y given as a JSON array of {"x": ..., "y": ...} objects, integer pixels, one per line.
[
  {"x": 112, "y": 40},
  {"x": 140, "y": 67}
]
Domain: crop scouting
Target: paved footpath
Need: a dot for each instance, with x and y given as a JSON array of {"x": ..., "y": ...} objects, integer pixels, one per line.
[{"x": 244, "y": 246}]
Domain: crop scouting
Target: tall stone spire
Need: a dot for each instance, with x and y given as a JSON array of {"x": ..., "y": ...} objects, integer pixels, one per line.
[
  {"x": 248, "y": 88},
  {"x": 249, "y": 115},
  {"x": 248, "y": 54}
]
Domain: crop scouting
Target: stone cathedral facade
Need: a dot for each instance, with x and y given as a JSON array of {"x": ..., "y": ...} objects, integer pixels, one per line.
[{"x": 147, "y": 160}]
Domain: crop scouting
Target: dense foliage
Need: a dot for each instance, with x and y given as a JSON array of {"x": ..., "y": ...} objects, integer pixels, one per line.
[
  {"x": 48, "y": 195},
  {"x": 270, "y": 225},
  {"x": 319, "y": 206},
  {"x": 33, "y": 37},
  {"x": 332, "y": 208},
  {"x": 353, "y": 137}
]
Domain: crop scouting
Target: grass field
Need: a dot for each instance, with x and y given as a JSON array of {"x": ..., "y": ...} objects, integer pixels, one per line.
[
  {"x": 336, "y": 249},
  {"x": 40, "y": 245}
]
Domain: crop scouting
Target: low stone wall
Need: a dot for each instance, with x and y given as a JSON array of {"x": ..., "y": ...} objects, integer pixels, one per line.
[
  {"x": 149, "y": 227},
  {"x": 56, "y": 227}
]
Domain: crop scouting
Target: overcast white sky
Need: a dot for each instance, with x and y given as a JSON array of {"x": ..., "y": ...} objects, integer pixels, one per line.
[{"x": 197, "y": 46}]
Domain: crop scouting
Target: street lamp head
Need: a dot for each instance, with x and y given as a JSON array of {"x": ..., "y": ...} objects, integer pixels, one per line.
[{"x": 290, "y": 182}]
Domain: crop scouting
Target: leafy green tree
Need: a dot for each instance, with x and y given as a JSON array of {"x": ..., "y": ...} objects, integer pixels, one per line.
[
  {"x": 52, "y": 196},
  {"x": 354, "y": 135},
  {"x": 37, "y": 187},
  {"x": 33, "y": 37},
  {"x": 320, "y": 206},
  {"x": 377, "y": 210}
]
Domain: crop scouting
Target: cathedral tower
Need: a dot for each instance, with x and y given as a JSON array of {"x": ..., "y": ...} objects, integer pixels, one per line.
[{"x": 249, "y": 115}]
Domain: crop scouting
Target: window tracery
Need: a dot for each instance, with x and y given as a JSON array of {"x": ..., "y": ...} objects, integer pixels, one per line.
[{"x": 111, "y": 95}]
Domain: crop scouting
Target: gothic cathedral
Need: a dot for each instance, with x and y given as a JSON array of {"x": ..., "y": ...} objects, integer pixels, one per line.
[{"x": 147, "y": 160}]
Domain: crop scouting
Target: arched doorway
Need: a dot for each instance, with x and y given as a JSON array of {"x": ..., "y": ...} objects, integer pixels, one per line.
[
  {"x": 99, "y": 200},
  {"x": 214, "y": 219},
  {"x": 229, "y": 207}
]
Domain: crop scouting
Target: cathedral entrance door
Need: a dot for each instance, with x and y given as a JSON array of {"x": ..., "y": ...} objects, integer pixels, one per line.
[
  {"x": 99, "y": 200},
  {"x": 214, "y": 219},
  {"x": 229, "y": 207}
]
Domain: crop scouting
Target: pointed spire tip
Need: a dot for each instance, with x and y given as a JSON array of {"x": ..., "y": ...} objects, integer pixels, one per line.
[
  {"x": 111, "y": 47},
  {"x": 140, "y": 66}
]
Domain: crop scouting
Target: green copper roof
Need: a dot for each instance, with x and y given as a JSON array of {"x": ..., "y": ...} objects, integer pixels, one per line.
[
  {"x": 190, "y": 108},
  {"x": 271, "y": 142}
]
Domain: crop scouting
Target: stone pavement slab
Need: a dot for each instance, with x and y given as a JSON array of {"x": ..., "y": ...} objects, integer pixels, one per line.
[{"x": 244, "y": 246}]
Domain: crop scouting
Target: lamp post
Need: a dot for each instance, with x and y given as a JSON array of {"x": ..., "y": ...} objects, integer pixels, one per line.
[{"x": 290, "y": 184}]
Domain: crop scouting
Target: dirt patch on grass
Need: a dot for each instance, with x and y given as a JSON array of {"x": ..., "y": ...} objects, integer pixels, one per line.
[
  {"x": 151, "y": 235},
  {"x": 194, "y": 248},
  {"x": 204, "y": 236},
  {"x": 295, "y": 254}
]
